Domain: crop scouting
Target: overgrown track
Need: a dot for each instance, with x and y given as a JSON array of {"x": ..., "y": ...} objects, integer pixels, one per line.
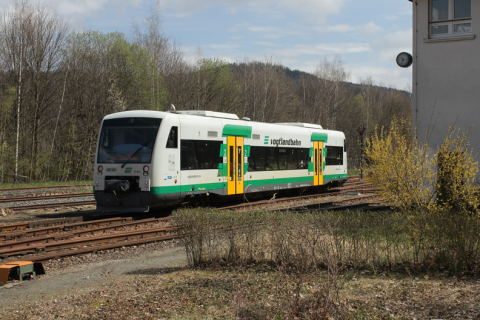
[
  {"x": 350, "y": 186},
  {"x": 342, "y": 206},
  {"x": 81, "y": 237},
  {"x": 46, "y": 187},
  {"x": 52, "y": 205},
  {"x": 296, "y": 202},
  {"x": 45, "y": 197},
  {"x": 35, "y": 224},
  {"x": 43, "y": 240}
]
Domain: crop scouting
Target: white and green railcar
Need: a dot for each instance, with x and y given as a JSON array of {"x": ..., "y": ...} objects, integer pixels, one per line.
[{"x": 148, "y": 159}]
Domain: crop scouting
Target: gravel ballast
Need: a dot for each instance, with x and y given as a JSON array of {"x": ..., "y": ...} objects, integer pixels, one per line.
[
  {"x": 82, "y": 274},
  {"x": 29, "y": 203}
]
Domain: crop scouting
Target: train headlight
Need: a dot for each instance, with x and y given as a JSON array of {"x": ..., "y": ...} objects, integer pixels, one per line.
[
  {"x": 145, "y": 170},
  {"x": 100, "y": 168}
]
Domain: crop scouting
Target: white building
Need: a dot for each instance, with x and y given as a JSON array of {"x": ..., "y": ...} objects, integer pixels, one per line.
[{"x": 446, "y": 67}]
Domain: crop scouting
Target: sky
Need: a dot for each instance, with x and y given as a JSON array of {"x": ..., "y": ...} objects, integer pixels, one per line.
[{"x": 299, "y": 34}]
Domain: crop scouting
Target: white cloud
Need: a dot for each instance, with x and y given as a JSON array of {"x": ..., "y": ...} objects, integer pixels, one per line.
[
  {"x": 267, "y": 44},
  {"x": 389, "y": 17},
  {"x": 82, "y": 7},
  {"x": 322, "y": 49},
  {"x": 263, "y": 29},
  {"x": 314, "y": 9},
  {"x": 394, "y": 77},
  {"x": 220, "y": 47},
  {"x": 406, "y": 12},
  {"x": 368, "y": 29},
  {"x": 263, "y": 32},
  {"x": 273, "y": 36},
  {"x": 336, "y": 28},
  {"x": 389, "y": 46},
  {"x": 77, "y": 22},
  {"x": 76, "y": 12},
  {"x": 68, "y": 7}
]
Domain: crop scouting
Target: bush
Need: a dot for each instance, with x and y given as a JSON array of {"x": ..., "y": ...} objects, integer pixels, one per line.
[
  {"x": 436, "y": 188},
  {"x": 290, "y": 240}
]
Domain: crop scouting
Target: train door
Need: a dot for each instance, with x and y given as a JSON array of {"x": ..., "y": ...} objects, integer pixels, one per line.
[
  {"x": 235, "y": 165},
  {"x": 318, "y": 163}
]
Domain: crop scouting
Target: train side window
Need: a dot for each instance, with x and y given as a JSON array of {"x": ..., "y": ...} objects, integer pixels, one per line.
[
  {"x": 292, "y": 159},
  {"x": 188, "y": 157},
  {"x": 303, "y": 158},
  {"x": 282, "y": 159},
  {"x": 334, "y": 156},
  {"x": 200, "y": 154},
  {"x": 172, "y": 141},
  {"x": 272, "y": 159}
]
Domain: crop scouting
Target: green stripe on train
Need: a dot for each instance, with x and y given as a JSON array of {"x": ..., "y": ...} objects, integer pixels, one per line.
[
  {"x": 334, "y": 176},
  {"x": 188, "y": 188},
  {"x": 254, "y": 183},
  {"x": 248, "y": 183}
]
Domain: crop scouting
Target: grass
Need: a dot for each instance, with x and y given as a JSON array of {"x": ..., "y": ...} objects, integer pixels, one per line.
[
  {"x": 44, "y": 184},
  {"x": 262, "y": 292},
  {"x": 352, "y": 172}
]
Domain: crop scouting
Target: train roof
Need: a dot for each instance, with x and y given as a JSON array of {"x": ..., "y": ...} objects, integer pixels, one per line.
[{"x": 220, "y": 116}]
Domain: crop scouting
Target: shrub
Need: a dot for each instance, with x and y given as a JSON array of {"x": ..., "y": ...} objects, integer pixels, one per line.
[{"x": 436, "y": 188}]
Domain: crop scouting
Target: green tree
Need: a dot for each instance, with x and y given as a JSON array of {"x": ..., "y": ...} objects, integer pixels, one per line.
[
  {"x": 215, "y": 87},
  {"x": 135, "y": 76}
]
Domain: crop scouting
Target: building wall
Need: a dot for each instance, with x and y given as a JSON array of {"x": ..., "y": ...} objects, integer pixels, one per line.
[{"x": 446, "y": 79}]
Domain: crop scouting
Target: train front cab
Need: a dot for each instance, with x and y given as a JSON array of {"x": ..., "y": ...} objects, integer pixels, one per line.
[{"x": 130, "y": 150}]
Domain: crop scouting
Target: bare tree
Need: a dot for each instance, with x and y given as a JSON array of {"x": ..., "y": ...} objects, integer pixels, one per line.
[
  {"x": 332, "y": 77},
  {"x": 46, "y": 32},
  {"x": 31, "y": 39},
  {"x": 368, "y": 93},
  {"x": 13, "y": 50},
  {"x": 168, "y": 60}
]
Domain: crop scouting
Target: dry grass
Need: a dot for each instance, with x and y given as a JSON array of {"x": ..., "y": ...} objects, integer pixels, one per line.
[
  {"x": 264, "y": 265},
  {"x": 262, "y": 292},
  {"x": 355, "y": 239}
]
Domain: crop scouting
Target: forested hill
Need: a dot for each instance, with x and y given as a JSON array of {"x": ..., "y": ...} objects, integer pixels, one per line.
[
  {"x": 57, "y": 85},
  {"x": 298, "y": 75}
]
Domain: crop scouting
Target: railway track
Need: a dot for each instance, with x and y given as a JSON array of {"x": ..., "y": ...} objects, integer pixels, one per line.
[
  {"x": 43, "y": 197},
  {"x": 72, "y": 233},
  {"x": 41, "y": 244},
  {"x": 45, "y": 187},
  {"x": 52, "y": 205},
  {"x": 40, "y": 241},
  {"x": 343, "y": 191},
  {"x": 38, "y": 224},
  {"x": 351, "y": 186},
  {"x": 12, "y": 201}
]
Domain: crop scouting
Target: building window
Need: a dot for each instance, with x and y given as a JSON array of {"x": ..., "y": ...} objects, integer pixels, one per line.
[{"x": 450, "y": 18}]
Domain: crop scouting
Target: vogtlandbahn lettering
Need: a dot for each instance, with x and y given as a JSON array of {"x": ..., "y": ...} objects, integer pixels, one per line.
[{"x": 283, "y": 142}]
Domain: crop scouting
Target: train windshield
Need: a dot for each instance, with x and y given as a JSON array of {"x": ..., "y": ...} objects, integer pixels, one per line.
[{"x": 127, "y": 140}]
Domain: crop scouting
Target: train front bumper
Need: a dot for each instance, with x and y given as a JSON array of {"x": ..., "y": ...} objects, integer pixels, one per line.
[{"x": 129, "y": 202}]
